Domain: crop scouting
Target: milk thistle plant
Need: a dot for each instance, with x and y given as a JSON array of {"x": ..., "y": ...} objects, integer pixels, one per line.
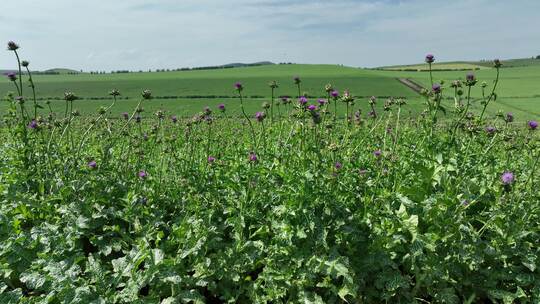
[{"x": 114, "y": 208}]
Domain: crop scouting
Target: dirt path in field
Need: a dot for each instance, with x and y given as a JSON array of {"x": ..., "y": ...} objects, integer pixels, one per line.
[{"x": 413, "y": 85}]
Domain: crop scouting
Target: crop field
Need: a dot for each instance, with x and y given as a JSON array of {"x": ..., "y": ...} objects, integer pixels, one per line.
[{"x": 328, "y": 196}]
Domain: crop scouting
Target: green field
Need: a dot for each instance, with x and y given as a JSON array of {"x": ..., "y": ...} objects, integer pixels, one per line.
[{"x": 187, "y": 92}]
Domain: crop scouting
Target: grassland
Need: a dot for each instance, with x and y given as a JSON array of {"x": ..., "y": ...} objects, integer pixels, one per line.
[{"x": 187, "y": 92}]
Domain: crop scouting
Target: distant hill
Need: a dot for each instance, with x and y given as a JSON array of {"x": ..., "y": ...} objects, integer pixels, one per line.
[
  {"x": 463, "y": 65},
  {"x": 239, "y": 65},
  {"x": 56, "y": 71}
]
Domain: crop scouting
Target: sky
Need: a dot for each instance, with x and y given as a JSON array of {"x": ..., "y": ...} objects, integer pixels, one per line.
[{"x": 155, "y": 34}]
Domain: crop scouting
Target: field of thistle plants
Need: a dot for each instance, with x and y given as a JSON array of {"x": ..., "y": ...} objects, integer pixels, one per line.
[{"x": 292, "y": 204}]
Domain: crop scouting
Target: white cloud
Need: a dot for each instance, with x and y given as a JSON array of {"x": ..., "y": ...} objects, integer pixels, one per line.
[{"x": 142, "y": 34}]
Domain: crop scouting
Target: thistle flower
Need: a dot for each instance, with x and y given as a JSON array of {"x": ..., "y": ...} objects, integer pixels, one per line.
[
  {"x": 211, "y": 159},
  {"x": 312, "y": 107},
  {"x": 25, "y": 63},
  {"x": 174, "y": 119},
  {"x": 273, "y": 84},
  {"x": 260, "y": 116},
  {"x": 252, "y": 157},
  {"x": 377, "y": 153},
  {"x": 19, "y": 99},
  {"x": 125, "y": 115},
  {"x": 297, "y": 80},
  {"x": 471, "y": 79},
  {"x": 33, "y": 124},
  {"x": 532, "y": 124},
  {"x": 321, "y": 102},
  {"x": 430, "y": 58},
  {"x": 266, "y": 105},
  {"x": 302, "y": 100},
  {"x": 114, "y": 92},
  {"x": 12, "y": 46},
  {"x": 221, "y": 107},
  {"x": 142, "y": 174},
  {"x": 372, "y": 100},
  {"x": 491, "y": 130},
  {"x": 147, "y": 94},
  {"x": 436, "y": 88},
  {"x": 92, "y": 164},
  {"x": 507, "y": 178},
  {"x": 238, "y": 86},
  {"x": 11, "y": 76},
  {"x": 338, "y": 165},
  {"x": 207, "y": 110},
  {"x": 509, "y": 117},
  {"x": 138, "y": 119},
  {"x": 456, "y": 84},
  {"x": 70, "y": 96},
  {"x": 497, "y": 63},
  {"x": 334, "y": 94},
  {"x": 328, "y": 88}
]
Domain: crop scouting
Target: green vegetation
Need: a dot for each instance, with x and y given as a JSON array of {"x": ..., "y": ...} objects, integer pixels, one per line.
[{"x": 306, "y": 201}]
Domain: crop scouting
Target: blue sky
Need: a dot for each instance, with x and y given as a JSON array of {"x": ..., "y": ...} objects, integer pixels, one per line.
[{"x": 143, "y": 34}]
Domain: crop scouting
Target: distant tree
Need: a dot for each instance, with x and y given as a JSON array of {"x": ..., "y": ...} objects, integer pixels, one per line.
[{"x": 538, "y": 57}]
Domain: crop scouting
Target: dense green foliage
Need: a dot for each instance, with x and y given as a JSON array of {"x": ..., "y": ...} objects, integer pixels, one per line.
[{"x": 295, "y": 205}]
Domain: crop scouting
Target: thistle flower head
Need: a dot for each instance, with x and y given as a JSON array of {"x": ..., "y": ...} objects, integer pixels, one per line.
[
  {"x": 12, "y": 46},
  {"x": 507, "y": 178},
  {"x": 138, "y": 119},
  {"x": 456, "y": 84},
  {"x": 490, "y": 130},
  {"x": 142, "y": 174},
  {"x": 70, "y": 96},
  {"x": 207, "y": 110},
  {"x": 497, "y": 63},
  {"x": 273, "y": 84},
  {"x": 146, "y": 94},
  {"x": 125, "y": 115},
  {"x": 312, "y": 107},
  {"x": 471, "y": 79},
  {"x": 334, "y": 94},
  {"x": 221, "y": 107},
  {"x": 114, "y": 92},
  {"x": 252, "y": 157},
  {"x": 372, "y": 100},
  {"x": 509, "y": 117},
  {"x": 430, "y": 58},
  {"x": 436, "y": 88},
  {"x": 33, "y": 124},
  {"x": 260, "y": 116},
  {"x": 174, "y": 119},
  {"x": 321, "y": 102},
  {"x": 532, "y": 124},
  {"x": 238, "y": 86},
  {"x": 377, "y": 153},
  {"x": 266, "y": 105},
  {"x": 211, "y": 159},
  {"x": 302, "y": 100},
  {"x": 11, "y": 76},
  {"x": 338, "y": 165},
  {"x": 25, "y": 63},
  {"x": 328, "y": 88},
  {"x": 92, "y": 164},
  {"x": 297, "y": 80},
  {"x": 19, "y": 99}
]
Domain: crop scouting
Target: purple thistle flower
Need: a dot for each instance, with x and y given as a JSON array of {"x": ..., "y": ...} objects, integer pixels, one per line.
[
  {"x": 465, "y": 203},
  {"x": 509, "y": 117},
  {"x": 33, "y": 124},
  {"x": 125, "y": 115},
  {"x": 338, "y": 165},
  {"x": 174, "y": 119},
  {"x": 211, "y": 159},
  {"x": 532, "y": 124},
  {"x": 11, "y": 76},
  {"x": 238, "y": 86},
  {"x": 142, "y": 174},
  {"x": 335, "y": 94},
  {"x": 296, "y": 80},
  {"x": 252, "y": 157},
  {"x": 377, "y": 153},
  {"x": 138, "y": 119},
  {"x": 312, "y": 107},
  {"x": 92, "y": 164},
  {"x": 221, "y": 107},
  {"x": 471, "y": 77},
  {"x": 430, "y": 58},
  {"x": 260, "y": 116},
  {"x": 302, "y": 100},
  {"x": 372, "y": 114},
  {"x": 507, "y": 178},
  {"x": 321, "y": 101},
  {"x": 491, "y": 130},
  {"x": 436, "y": 88}
]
